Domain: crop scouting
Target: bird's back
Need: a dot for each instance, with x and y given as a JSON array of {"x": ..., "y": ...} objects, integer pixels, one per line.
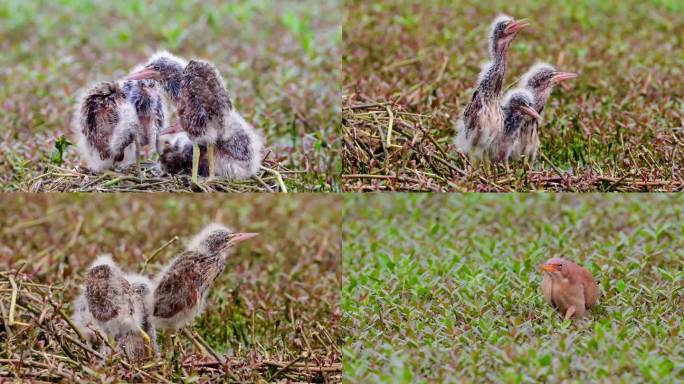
[
  {"x": 99, "y": 116},
  {"x": 203, "y": 98},
  {"x": 585, "y": 278}
]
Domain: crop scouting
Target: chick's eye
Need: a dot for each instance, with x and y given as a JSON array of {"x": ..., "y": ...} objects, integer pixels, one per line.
[{"x": 156, "y": 68}]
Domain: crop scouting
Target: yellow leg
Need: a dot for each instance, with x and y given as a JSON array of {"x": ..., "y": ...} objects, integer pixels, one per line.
[
  {"x": 210, "y": 154},
  {"x": 148, "y": 342},
  {"x": 195, "y": 162}
]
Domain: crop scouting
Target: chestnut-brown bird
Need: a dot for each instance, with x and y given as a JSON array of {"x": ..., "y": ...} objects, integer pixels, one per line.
[
  {"x": 181, "y": 288},
  {"x": 568, "y": 287},
  {"x": 106, "y": 125},
  {"x": 483, "y": 118}
]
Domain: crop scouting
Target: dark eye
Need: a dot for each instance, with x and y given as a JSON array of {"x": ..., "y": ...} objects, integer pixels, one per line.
[{"x": 156, "y": 68}]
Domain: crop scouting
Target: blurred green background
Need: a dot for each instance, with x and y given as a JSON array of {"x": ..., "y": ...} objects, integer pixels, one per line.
[
  {"x": 280, "y": 61},
  {"x": 445, "y": 288}
]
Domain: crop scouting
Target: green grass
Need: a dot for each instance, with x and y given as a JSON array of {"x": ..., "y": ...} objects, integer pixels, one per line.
[
  {"x": 444, "y": 288},
  {"x": 277, "y": 301},
  {"x": 616, "y": 127},
  {"x": 280, "y": 62}
]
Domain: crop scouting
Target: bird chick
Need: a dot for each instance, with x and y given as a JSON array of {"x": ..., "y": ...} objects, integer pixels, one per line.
[
  {"x": 142, "y": 287},
  {"x": 568, "y": 287},
  {"x": 205, "y": 110},
  {"x": 117, "y": 306},
  {"x": 146, "y": 97},
  {"x": 518, "y": 108},
  {"x": 105, "y": 126},
  {"x": 483, "y": 119},
  {"x": 181, "y": 288},
  {"x": 236, "y": 158},
  {"x": 540, "y": 80}
]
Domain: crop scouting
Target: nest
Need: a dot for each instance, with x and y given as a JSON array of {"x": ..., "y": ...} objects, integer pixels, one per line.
[
  {"x": 389, "y": 148},
  {"x": 41, "y": 344},
  {"x": 271, "y": 178}
]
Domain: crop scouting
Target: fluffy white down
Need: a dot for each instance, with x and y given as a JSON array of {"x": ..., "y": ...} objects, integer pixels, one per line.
[
  {"x": 167, "y": 54},
  {"x": 128, "y": 122},
  {"x": 501, "y": 18},
  {"x": 148, "y": 299},
  {"x": 242, "y": 169},
  {"x": 83, "y": 320}
]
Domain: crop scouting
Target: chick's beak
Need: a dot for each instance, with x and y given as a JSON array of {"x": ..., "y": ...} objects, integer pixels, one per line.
[
  {"x": 549, "y": 268},
  {"x": 173, "y": 128},
  {"x": 562, "y": 76},
  {"x": 516, "y": 26},
  {"x": 237, "y": 238},
  {"x": 143, "y": 74},
  {"x": 532, "y": 112}
]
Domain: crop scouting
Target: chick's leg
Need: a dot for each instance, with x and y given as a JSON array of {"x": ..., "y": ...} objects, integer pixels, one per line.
[
  {"x": 195, "y": 162},
  {"x": 147, "y": 341},
  {"x": 569, "y": 312},
  {"x": 210, "y": 154}
]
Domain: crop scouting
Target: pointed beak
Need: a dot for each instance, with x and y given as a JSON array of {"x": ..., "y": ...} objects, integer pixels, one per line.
[
  {"x": 173, "y": 128},
  {"x": 240, "y": 237},
  {"x": 549, "y": 268},
  {"x": 142, "y": 74},
  {"x": 562, "y": 76},
  {"x": 531, "y": 111},
  {"x": 516, "y": 26}
]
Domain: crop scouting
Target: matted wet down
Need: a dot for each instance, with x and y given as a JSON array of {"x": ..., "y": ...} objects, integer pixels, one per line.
[{"x": 170, "y": 289}]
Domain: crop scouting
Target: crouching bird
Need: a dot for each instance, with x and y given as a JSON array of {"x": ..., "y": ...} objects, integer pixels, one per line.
[
  {"x": 106, "y": 125},
  {"x": 236, "y": 158},
  {"x": 483, "y": 119},
  {"x": 181, "y": 288},
  {"x": 540, "y": 80},
  {"x": 518, "y": 107},
  {"x": 205, "y": 110},
  {"x": 115, "y": 306},
  {"x": 568, "y": 287}
]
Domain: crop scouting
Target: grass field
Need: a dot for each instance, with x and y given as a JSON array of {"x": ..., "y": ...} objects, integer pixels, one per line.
[
  {"x": 409, "y": 68},
  {"x": 280, "y": 62},
  {"x": 273, "y": 315},
  {"x": 441, "y": 288}
]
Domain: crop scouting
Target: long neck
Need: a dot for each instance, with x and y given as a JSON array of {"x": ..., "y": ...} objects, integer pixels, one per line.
[
  {"x": 492, "y": 82},
  {"x": 540, "y": 99}
]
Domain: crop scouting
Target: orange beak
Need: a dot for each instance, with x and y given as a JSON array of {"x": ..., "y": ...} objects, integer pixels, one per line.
[
  {"x": 550, "y": 268},
  {"x": 532, "y": 112},
  {"x": 173, "y": 128},
  {"x": 237, "y": 238},
  {"x": 562, "y": 76},
  {"x": 143, "y": 74},
  {"x": 516, "y": 26}
]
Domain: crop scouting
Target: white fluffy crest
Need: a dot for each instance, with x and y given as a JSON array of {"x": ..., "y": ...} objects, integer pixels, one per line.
[
  {"x": 168, "y": 55},
  {"x": 105, "y": 259},
  {"x": 524, "y": 81},
  {"x": 196, "y": 242},
  {"x": 517, "y": 91}
]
